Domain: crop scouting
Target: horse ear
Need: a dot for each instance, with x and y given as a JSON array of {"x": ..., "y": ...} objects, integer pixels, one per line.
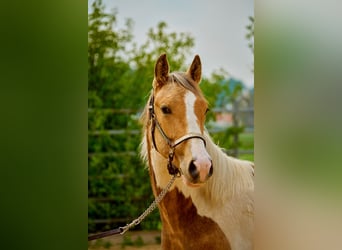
[
  {"x": 161, "y": 71},
  {"x": 195, "y": 70}
]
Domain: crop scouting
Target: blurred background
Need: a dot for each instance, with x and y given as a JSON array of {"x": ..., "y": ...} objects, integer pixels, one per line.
[{"x": 120, "y": 74}]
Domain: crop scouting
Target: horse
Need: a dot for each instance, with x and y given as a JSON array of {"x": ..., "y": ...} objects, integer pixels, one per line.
[{"x": 210, "y": 205}]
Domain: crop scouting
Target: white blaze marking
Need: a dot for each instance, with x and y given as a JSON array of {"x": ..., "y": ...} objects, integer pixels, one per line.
[
  {"x": 191, "y": 118},
  {"x": 197, "y": 146}
]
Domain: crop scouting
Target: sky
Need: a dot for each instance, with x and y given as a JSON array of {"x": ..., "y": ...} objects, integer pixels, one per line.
[{"x": 218, "y": 27}]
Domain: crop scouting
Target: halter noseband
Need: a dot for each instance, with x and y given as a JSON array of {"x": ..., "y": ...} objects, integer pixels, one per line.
[{"x": 173, "y": 170}]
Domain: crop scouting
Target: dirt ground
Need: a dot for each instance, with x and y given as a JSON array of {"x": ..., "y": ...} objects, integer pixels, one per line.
[{"x": 140, "y": 240}]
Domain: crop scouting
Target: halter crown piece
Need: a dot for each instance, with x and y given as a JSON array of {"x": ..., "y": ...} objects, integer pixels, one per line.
[{"x": 173, "y": 170}]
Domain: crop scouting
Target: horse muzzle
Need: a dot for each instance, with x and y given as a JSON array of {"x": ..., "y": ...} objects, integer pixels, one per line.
[{"x": 199, "y": 171}]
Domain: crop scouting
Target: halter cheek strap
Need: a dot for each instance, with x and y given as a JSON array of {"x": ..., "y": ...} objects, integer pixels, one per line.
[{"x": 173, "y": 170}]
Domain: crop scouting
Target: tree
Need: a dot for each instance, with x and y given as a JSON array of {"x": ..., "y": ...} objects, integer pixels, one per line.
[
  {"x": 159, "y": 41},
  {"x": 106, "y": 50}
]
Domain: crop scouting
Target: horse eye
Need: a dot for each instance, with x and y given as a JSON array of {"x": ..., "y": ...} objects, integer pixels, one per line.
[
  {"x": 206, "y": 112},
  {"x": 166, "y": 110}
]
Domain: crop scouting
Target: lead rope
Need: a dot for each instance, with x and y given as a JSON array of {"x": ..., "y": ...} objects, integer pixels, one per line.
[
  {"x": 150, "y": 208},
  {"x": 122, "y": 230}
]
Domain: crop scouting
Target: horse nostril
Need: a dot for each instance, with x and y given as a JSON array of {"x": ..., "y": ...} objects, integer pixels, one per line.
[
  {"x": 211, "y": 170},
  {"x": 193, "y": 170}
]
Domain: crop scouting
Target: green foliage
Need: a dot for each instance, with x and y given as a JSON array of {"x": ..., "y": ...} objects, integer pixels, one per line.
[
  {"x": 139, "y": 241},
  {"x": 127, "y": 241},
  {"x": 99, "y": 244},
  {"x": 247, "y": 140},
  {"x": 226, "y": 138},
  {"x": 210, "y": 86},
  {"x": 107, "y": 66},
  {"x": 160, "y": 41}
]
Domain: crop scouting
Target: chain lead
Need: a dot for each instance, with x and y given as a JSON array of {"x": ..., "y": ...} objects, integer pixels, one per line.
[{"x": 150, "y": 208}]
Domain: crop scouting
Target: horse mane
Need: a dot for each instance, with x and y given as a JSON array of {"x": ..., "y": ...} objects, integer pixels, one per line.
[
  {"x": 231, "y": 177},
  {"x": 184, "y": 80}
]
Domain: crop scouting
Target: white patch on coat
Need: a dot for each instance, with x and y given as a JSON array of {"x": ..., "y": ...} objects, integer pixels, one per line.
[{"x": 197, "y": 145}]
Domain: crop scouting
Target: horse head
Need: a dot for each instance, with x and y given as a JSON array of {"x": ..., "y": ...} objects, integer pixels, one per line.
[{"x": 178, "y": 109}]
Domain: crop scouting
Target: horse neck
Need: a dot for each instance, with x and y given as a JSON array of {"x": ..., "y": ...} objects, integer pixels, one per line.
[{"x": 231, "y": 176}]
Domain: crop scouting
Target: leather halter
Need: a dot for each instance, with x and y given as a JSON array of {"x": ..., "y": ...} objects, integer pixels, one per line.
[{"x": 173, "y": 170}]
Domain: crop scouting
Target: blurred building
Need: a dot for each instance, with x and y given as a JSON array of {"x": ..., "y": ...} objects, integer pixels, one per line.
[{"x": 234, "y": 105}]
